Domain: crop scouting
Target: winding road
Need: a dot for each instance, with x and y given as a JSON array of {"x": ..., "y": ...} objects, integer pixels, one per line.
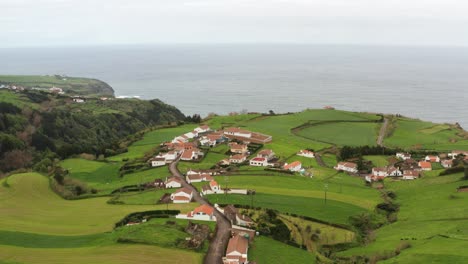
[{"x": 219, "y": 243}]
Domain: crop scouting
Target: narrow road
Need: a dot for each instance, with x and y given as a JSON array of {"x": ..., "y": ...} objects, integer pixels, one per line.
[
  {"x": 382, "y": 132},
  {"x": 319, "y": 160},
  {"x": 219, "y": 243}
]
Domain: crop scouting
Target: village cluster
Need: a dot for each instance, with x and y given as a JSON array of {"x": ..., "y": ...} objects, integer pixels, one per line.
[
  {"x": 406, "y": 167},
  {"x": 188, "y": 147}
]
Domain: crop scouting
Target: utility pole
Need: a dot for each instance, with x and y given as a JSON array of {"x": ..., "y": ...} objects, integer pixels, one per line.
[{"x": 326, "y": 189}]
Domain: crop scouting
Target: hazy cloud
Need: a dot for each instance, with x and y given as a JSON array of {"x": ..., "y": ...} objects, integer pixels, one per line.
[{"x": 76, "y": 22}]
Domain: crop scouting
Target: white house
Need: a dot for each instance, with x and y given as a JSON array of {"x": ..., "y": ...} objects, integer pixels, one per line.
[
  {"x": 191, "y": 178},
  {"x": 211, "y": 188},
  {"x": 455, "y": 153},
  {"x": 235, "y": 131},
  {"x": 425, "y": 165},
  {"x": 191, "y": 154},
  {"x": 168, "y": 156},
  {"x": 237, "y": 250},
  {"x": 158, "y": 162},
  {"x": 182, "y": 195},
  {"x": 432, "y": 158},
  {"x": 347, "y": 166},
  {"x": 238, "y": 158},
  {"x": 403, "y": 156},
  {"x": 266, "y": 153},
  {"x": 238, "y": 148},
  {"x": 259, "y": 162},
  {"x": 306, "y": 153},
  {"x": 203, "y": 213},
  {"x": 379, "y": 172},
  {"x": 293, "y": 166},
  {"x": 182, "y": 139},
  {"x": 393, "y": 172},
  {"x": 191, "y": 135},
  {"x": 78, "y": 100},
  {"x": 202, "y": 129},
  {"x": 447, "y": 163},
  {"x": 173, "y": 182},
  {"x": 410, "y": 174},
  {"x": 207, "y": 141}
]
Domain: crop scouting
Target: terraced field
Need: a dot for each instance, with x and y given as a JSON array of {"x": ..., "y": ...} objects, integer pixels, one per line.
[
  {"x": 37, "y": 226},
  {"x": 432, "y": 219},
  {"x": 416, "y": 134}
]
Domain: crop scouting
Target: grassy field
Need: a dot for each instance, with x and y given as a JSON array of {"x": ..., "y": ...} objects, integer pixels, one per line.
[
  {"x": 145, "y": 197},
  {"x": 378, "y": 161},
  {"x": 105, "y": 177},
  {"x": 267, "y": 250},
  {"x": 302, "y": 230},
  {"x": 37, "y": 226},
  {"x": 432, "y": 219},
  {"x": 151, "y": 140},
  {"x": 343, "y": 133},
  {"x": 416, "y": 134},
  {"x": 285, "y": 142},
  {"x": 120, "y": 254},
  {"x": 28, "y": 205}
]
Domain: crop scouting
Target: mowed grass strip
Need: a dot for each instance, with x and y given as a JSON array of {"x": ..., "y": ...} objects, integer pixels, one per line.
[
  {"x": 341, "y": 188},
  {"x": 331, "y": 211},
  {"x": 29, "y": 205},
  {"x": 113, "y": 254},
  {"x": 268, "y": 250}
]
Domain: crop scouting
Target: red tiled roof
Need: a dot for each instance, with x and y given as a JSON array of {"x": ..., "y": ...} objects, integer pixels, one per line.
[
  {"x": 174, "y": 179},
  {"x": 265, "y": 152},
  {"x": 239, "y": 244},
  {"x": 258, "y": 159},
  {"x": 206, "y": 209},
  {"x": 213, "y": 183},
  {"x": 185, "y": 190},
  {"x": 181, "y": 198},
  {"x": 292, "y": 165},
  {"x": 348, "y": 164},
  {"x": 425, "y": 164},
  {"x": 238, "y": 157}
]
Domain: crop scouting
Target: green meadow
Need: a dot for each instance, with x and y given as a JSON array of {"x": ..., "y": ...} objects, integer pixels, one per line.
[
  {"x": 37, "y": 226},
  {"x": 432, "y": 219},
  {"x": 416, "y": 134},
  {"x": 267, "y": 250}
]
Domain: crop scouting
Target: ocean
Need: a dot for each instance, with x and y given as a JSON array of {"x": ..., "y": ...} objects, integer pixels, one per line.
[{"x": 429, "y": 83}]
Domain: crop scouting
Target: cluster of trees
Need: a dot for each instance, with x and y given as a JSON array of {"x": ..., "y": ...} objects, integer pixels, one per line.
[{"x": 46, "y": 124}]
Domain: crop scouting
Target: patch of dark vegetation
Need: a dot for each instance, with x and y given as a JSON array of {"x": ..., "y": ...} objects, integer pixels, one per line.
[
  {"x": 51, "y": 123},
  {"x": 138, "y": 217}
]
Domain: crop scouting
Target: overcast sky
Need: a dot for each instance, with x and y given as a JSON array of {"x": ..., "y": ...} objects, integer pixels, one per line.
[{"x": 96, "y": 22}]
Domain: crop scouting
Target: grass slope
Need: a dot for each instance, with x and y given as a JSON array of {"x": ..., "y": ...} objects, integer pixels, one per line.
[
  {"x": 432, "y": 219},
  {"x": 343, "y": 133},
  {"x": 28, "y": 205},
  {"x": 267, "y": 250}
]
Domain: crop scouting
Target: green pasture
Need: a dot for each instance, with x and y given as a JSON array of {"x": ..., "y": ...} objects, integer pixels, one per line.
[
  {"x": 29, "y": 205},
  {"x": 268, "y": 250},
  {"x": 377, "y": 161},
  {"x": 415, "y": 134},
  {"x": 343, "y": 133},
  {"x": 104, "y": 176},
  {"x": 432, "y": 219}
]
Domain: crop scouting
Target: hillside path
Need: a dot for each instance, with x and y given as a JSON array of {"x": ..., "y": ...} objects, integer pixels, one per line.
[
  {"x": 382, "y": 132},
  {"x": 319, "y": 160},
  {"x": 219, "y": 243}
]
